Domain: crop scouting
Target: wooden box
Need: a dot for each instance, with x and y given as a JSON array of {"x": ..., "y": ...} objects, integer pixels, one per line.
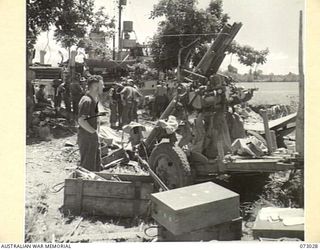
[
  {"x": 263, "y": 228},
  {"x": 129, "y": 197},
  {"x": 227, "y": 231},
  {"x": 187, "y": 209}
]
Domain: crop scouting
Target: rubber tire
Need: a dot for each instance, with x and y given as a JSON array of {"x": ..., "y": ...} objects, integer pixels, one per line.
[{"x": 180, "y": 162}]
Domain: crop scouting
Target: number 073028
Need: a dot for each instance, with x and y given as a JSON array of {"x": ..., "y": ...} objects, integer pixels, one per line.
[{"x": 305, "y": 245}]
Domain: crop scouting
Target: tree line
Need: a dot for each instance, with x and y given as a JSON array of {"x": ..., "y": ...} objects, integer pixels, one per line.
[{"x": 181, "y": 23}]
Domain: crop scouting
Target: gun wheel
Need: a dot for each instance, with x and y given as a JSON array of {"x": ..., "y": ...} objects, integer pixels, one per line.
[{"x": 171, "y": 165}]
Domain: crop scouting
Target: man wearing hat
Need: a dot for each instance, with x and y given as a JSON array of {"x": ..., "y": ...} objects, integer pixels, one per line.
[
  {"x": 88, "y": 140},
  {"x": 129, "y": 97}
]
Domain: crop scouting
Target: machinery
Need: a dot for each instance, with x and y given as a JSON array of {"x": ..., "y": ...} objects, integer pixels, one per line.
[{"x": 201, "y": 147}]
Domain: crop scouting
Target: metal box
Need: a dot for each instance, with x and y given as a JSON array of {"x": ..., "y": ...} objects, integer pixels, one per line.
[
  {"x": 127, "y": 26},
  {"x": 227, "y": 231},
  {"x": 194, "y": 207},
  {"x": 123, "y": 2}
]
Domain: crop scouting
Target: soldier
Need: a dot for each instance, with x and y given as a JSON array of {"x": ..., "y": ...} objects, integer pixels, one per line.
[
  {"x": 129, "y": 97},
  {"x": 41, "y": 97},
  {"x": 29, "y": 100},
  {"x": 56, "y": 99},
  {"x": 66, "y": 96},
  {"x": 113, "y": 107},
  {"x": 88, "y": 140},
  {"x": 59, "y": 95},
  {"x": 161, "y": 99},
  {"x": 76, "y": 94},
  {"x": 136, "y": 98}
]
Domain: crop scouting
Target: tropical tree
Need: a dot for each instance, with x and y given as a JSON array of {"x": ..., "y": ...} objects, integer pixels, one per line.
[
  {"x": 182, "y": 23},
  {"x": 40, "y": 15},
  {"x": 72, "y": 21},
  {"x": 69, "y": 18},
  {"x": 104, "y": 27},
  {"x": 71, "y": 24},
  {"x": 253, "y": 58}
]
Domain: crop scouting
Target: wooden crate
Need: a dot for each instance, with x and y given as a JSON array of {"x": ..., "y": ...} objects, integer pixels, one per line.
[
  {"x": 187, "y": 209},
  {"x": 227, "y": 231},
  {"x": 128, "y": 198}
]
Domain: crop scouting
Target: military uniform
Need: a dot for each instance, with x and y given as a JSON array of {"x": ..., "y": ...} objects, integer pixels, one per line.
[
  {"x": 76, "y": 94},
  {"x": 161, "y": 100},
  {"x": 113, "y": 107},
  {"x": 129, "y": 108},
  {"x": 89, "y": 146}
]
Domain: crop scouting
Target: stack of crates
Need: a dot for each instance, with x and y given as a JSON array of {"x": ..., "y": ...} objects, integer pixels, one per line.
[{"x": 202, "y": 212}]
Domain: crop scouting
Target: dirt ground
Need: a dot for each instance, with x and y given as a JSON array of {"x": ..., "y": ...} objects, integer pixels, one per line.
[{"x": 49, "y": 163}]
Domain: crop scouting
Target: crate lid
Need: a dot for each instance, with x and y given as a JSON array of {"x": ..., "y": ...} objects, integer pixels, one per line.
[{"x": 192, "y": 196}]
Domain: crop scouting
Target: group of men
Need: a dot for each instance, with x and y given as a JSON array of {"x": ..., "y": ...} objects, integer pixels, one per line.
[
  {"x": 81, "y": 96},
  {"x": 67, "y": 90},
  {"x": 70, "y": 91},
  {"x": 124, "y": 98}
]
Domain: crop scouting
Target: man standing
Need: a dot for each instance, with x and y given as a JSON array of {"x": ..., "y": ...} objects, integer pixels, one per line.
[
  {"x": 55, "y": 85},
  {"x": 88, "y": 139},
  {"x": 64, "y": 91},
  {"x": 161, "y": 99},
  {"x": 113, "y": 107},
  {"x": 127, "y": 99},
  {"x": 136, "y": 97},
  {"x": 67, "y": 97},
  {"x": 29, "y": 100},
  {"x": 129, "y": 96},
  {"x": 76, "y": 94},
  {"x": 42, "y": 100}
]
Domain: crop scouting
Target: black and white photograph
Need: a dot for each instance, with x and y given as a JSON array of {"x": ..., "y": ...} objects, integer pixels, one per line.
[{"x": 164, "y": 121}]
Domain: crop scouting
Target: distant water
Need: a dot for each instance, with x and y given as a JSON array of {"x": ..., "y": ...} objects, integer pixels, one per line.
[{"x": 273, "y": 92}]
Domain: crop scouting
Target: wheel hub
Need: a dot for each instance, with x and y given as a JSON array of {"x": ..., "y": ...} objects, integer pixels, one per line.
[{"x": 167, "y": 171}]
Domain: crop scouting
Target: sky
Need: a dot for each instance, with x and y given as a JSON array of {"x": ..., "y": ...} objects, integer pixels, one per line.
[{"x": 269, "y": 24}]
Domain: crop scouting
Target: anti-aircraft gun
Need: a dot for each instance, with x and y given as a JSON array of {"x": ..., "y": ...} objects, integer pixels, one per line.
[{"x": 203, "y": 145}]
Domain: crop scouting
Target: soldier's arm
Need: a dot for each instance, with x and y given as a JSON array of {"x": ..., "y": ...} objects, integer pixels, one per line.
[{"x": 85, "y": 125}]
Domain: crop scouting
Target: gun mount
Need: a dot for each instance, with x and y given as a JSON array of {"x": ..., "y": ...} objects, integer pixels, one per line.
[{"x": 204, "y": 148}]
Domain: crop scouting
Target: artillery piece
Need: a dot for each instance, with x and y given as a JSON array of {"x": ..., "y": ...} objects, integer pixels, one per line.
[{"x": 195, "y": 157}]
